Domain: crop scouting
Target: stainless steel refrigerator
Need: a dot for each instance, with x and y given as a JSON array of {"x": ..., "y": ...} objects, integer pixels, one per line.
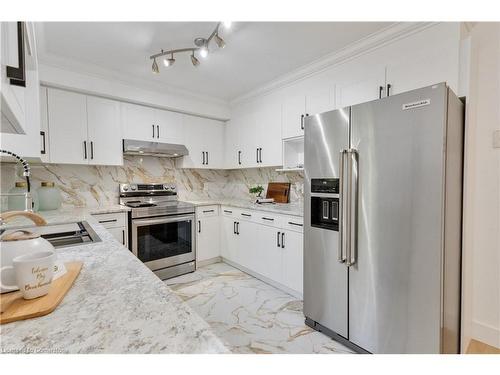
[{"x": 382, "y": 222}]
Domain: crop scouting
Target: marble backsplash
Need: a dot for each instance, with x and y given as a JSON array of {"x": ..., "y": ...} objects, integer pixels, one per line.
[{"x": 92, "y": 186}]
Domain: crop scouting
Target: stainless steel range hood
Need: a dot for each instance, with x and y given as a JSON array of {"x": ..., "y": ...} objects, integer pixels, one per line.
[{"x": 166, "y": 150}]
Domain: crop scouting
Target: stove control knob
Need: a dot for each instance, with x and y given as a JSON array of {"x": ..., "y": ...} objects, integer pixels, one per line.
[
  {"x": 165, "y": 187},
  {"x": 125, "y": 188},
  {"x": 172, "y": 188},
  {"x": 133, "y": 187}
]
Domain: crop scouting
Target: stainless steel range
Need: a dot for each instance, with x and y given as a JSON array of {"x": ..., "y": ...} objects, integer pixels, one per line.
[{"x": 161, "y": 228}]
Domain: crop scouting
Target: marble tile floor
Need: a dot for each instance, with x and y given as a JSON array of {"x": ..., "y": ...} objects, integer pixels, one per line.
[{"x": 248, "y": 315}]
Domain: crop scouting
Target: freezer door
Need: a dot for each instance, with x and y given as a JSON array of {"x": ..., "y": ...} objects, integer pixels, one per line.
[
  {"x": 325, "y": 279},
  {"x": 395, "y": 282}
]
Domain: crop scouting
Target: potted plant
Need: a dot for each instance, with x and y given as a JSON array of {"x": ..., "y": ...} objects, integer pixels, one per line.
[{"x": 257, "y": 190}]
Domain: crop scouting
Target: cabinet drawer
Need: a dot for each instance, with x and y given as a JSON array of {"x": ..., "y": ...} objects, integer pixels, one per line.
[
  {"x": 229, "y": 211},
  {"x": 207, "y": 211},
  {"x": 294, "y": 223},
  {"x": 112, "y": 220},
  {"x": 266, "y": 218}
]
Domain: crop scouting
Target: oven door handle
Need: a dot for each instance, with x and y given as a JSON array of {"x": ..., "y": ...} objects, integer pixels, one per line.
[{"x": 162, "y": 220}]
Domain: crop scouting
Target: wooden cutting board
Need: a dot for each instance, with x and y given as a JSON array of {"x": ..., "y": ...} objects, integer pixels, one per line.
[
  {"x": 14, "y": 307},
  {"x": 279, "y": 191}
]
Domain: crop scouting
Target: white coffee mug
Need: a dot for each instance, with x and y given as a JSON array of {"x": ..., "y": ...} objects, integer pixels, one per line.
[{"x": 34, "y": 273}]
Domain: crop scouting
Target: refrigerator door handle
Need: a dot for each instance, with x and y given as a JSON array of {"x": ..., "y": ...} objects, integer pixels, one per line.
[
  {"x": 340, "y": 252},
  {"x": 353, "y": 207}
]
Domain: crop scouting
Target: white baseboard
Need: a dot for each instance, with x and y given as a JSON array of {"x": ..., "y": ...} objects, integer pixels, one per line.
[
  {"x": 280, "y": 286},
  {"x": 206, "y": 262},
  {"x": 485, "y": 333}
]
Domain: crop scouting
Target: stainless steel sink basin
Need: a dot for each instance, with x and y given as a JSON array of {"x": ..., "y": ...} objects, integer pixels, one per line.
[{"x": 65, "y": 235}]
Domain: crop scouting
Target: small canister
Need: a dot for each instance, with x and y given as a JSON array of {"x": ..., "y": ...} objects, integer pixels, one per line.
[
  {"x": 49, "y": 196},
  {"x": 17, "y": 202}
]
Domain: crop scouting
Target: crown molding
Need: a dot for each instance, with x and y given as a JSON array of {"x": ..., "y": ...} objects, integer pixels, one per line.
[{"x": 363, "y": 46}]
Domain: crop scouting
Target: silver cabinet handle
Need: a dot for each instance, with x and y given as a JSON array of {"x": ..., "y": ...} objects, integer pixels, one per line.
[
  {"x": 340, "y": 251},
  {"x": 353, "y": 207}
]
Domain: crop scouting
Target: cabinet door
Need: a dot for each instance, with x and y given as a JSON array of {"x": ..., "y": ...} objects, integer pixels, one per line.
[
  {"x": 269, "y": 253},
  {"x": 138, "y": 122},
  {"x": 248, "y": 137},
  {"x": 194, "y": 130},
  {"x": 44, "y": 127},
  {"x": 104, "y": 131},
  {"x": 268, "y": 131},
  {"x": 247, "y": 244},
  {"x": 120, "y": 235},
  {"x": 213, "y": 137},
  {"x": 293, "y": 260},
  {"x": 207, "y": 238},
  {"x": 169, "y": 126},
  {"x": 319, "y": 100},
  {"x": 229, "y": 239},
  {"x": 68, "y": 127},
  {"x": 294, "y": 108},
  {"x": 359, "y": 84},
  {"x": 12, "y": 97},
  {"x": 232, "y": 149}
]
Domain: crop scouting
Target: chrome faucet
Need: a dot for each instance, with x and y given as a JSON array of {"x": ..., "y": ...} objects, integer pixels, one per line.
[{"x": 28, "y": 199}]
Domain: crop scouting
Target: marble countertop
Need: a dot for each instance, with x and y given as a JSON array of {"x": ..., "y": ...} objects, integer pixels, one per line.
[
  {"x": 293, "y": 209},
  {"x": 117, "y": 305}
]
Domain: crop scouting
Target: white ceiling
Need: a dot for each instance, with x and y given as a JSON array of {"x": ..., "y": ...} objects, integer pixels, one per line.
[{"x": 256, "y": 52}]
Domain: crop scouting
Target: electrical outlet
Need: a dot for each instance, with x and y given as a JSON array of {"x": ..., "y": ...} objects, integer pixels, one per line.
[{"x": 496, "y": 139}]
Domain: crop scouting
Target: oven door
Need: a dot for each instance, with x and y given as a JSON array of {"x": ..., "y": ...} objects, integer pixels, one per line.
[{"x": 164, "y": 241}]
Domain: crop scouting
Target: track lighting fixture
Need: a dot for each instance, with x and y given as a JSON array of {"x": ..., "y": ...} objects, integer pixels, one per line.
[{"x": 202, "y": 47}]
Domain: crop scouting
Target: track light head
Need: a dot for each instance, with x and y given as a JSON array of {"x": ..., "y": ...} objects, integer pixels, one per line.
[
  {"x": 155, "y": 67},
  {"x": 220, "y": 42},
  {"x": 194, "y": 60},
  {"x": 170, "y": 61},
  {"x": 204, "y": 51}
]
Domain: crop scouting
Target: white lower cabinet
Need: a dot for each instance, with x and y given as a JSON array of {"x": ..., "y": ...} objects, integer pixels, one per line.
[
  {"x": 116, "y": 224},
  {"x": 293, "y": 260},
  {"x": 207, "y": 233},
  {"x": 270, "y": 247}
]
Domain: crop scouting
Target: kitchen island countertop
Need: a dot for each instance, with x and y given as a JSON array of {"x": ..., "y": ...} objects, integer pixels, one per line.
[{"x": 117, "y": 305}]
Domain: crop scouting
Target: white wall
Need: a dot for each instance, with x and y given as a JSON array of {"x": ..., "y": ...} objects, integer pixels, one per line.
[
  {"x": 481, "y": 282},
  {"x": 166, "y": 98}
]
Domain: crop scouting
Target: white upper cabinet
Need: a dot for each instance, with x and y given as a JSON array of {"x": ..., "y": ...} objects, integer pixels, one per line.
[
  {"x": 267, "y": 130},
  {"x": 169, "y": 126},
  {"x": 204, "y": 138},
  {"x": 12, "y": 96},
  {"x": 151, "y": 124},
  {"x": 359, "y": 81},
  {"x": 294, "y": 111},
  {"x": 104, "y": 131},
  {"x": 68, "y": 127},
  {"x": 138, "y": 122},
  {"x": 420, "y": 63},
  {"x": 83, "y": 129}
]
